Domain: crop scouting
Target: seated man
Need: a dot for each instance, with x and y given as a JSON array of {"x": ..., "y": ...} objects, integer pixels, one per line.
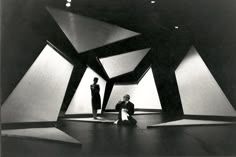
[{"x": 126, "y": 109}]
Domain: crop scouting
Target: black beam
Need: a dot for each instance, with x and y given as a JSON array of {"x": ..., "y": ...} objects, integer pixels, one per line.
[
  {"x": 107, "y": 94},
  {"x": 76, "y": 76}
]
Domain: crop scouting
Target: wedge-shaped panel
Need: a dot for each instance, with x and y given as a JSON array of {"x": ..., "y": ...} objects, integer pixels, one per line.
[
  {"x": 191, "y": 122},
  {"x": 38, "y": 96},
  {"x": 147, "y": 94},
  {"x": 200, "y": 94},
  {"x": 86, "y": 33},
  {"x": 144, "y": 95},
  {"x": 48, "y": 134},
  {"x": 81, "y": 101},
  {"x": 123, "y": 63}
]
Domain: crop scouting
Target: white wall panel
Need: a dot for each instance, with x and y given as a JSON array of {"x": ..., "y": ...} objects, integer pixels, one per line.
[
  {"x": 144, "y": 95},
  {"x": 39, "y": 95},
  {"x": 200, "y": 94},
  {"x": 81, "y": 101},
  {"x": 86, "y": 33},
  {"x": 147, "y": 94},
  {"x": 118, "y": 92},
  {"x": 123, "y": 63}
]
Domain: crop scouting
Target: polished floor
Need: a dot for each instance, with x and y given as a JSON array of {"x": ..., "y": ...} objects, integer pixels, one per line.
[{"x": 100, "y": 139}]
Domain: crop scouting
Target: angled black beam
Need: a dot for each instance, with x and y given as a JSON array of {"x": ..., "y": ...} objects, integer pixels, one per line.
[
  {"x": 59, "y": 39},
  {"x": 92, "y": 57},
  {"x": 165, "y": 81},
  {"x": 95, "y": 65},
  {"x": 144, "y": 65},
  {"x": 76, "y": 76},
  {"x": 60, "y": 52},
  {"x": 107, "y": 94},
  {"x": 165, "y": 58},
  {"x": 128, "y": 78},
  {"x": 144, "y": 71},
  {"x": 116, "y": 48},
  {"x": 168, "y": 90},
  {"x": 102, "y": 68}
]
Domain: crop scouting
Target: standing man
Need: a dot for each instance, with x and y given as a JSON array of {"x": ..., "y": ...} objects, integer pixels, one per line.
[{"x": 96, "y": 100}]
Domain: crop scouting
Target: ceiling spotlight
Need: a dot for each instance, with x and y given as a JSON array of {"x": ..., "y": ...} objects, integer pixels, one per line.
[
  {"x": 176, "y": 27},
  {"x": 69, "y": 1},
  {"x": 153, "y": 2},
  {"x": 68, "y": 4}
]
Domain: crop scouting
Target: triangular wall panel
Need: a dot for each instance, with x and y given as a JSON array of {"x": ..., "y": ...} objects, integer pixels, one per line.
[
  {"x": 81, "y": 101},
  {"x": 200, "y": 93},
  {"x": 147, "y": 94},
  {"x": 87, "y": 33},
  {"x": 38, "y": 96},
  {"x": 123, "y": 63},
  {"x": 144, "y": 95}
]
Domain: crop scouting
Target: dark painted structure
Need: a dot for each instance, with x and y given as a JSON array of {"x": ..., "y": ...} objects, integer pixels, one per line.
[{"x": 208, "y": 25}]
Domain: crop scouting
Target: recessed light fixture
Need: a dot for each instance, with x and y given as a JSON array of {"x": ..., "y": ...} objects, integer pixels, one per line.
[
  {"x": 176, "y": 27},
  {"x": 153, "y": 2},
  {"x": 69, "y": 1},
  {"x": 68, "y": 4}
]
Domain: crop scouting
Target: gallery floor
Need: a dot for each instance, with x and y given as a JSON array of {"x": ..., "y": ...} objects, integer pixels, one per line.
[{"x": 103, "y": 139}]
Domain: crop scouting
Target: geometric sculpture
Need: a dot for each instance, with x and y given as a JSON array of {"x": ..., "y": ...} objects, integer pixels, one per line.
[
  {"x": 86, "y": 33},
  {"x": 190, "y": 122},
  {"x": 199, "y": 92},
  {"x": 81, "y": 101},
  {"x": 48, "y": 134},
  {"x": 38, "y": 96},
  {"x": 144, "y": 95},
  {"x": 122, "y": 63}
]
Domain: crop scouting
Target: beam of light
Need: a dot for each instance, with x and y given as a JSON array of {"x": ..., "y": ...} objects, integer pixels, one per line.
[{"x": 38, "y": 96}]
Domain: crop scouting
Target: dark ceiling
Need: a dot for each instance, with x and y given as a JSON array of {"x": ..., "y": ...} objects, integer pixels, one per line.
[{"x": 209, "y": 25}]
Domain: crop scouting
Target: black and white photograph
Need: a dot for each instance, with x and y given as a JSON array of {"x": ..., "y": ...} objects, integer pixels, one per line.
[{"x": 118, "y": 78}]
